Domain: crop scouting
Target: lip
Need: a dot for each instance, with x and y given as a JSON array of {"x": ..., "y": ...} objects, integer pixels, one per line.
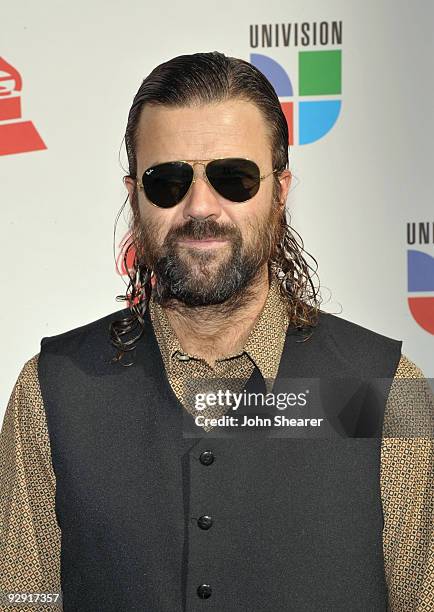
[{"x": 204, "y": 242}]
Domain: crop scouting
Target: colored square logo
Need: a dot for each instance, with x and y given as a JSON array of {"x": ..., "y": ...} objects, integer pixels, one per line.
[{"x": 319, "y": 73}]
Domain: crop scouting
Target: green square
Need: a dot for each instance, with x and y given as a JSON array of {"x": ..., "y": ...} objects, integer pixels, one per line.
[{"x": 319, "y": 72}]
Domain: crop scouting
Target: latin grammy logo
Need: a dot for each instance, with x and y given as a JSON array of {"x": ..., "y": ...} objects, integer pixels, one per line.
[{"x": 16, "y": 136}]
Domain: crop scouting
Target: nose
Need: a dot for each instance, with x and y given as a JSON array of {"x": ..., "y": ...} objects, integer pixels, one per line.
[{"x": 201, "y": 201}]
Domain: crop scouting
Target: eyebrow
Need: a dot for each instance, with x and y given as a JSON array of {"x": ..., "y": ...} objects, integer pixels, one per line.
[{"x": 236, "y": 156}]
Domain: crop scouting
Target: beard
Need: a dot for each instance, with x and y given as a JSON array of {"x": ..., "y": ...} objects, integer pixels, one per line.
[{"x": 193, "y": 277}]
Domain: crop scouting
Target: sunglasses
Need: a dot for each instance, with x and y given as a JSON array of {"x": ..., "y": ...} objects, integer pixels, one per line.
[{"x": 234, "y": 178}]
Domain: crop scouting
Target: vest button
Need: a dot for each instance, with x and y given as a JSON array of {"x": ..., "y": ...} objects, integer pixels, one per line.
[
  {"x": 182, "y": 356},
  {"x": 204, "y": 521},
  {"x": 204, "y": 591},
  {"x": 206, "y": 457}
]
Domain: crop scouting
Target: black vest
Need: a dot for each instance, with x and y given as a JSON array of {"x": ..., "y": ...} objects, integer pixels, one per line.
[{"x": 293, "y": 524}]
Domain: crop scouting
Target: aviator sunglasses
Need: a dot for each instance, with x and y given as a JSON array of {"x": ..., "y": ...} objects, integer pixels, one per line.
[{"x": 236, "y": 179}]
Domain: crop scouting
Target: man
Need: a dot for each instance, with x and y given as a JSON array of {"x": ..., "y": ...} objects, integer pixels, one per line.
[{"x": 109, "y": 491}]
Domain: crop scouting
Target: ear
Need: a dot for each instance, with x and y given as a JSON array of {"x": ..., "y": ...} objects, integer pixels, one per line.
[
  {"x": 285, "y": 178},
  {"x": 130, "y": 184}
]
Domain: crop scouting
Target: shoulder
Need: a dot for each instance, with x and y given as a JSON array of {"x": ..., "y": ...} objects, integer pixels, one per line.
[
  {"x": 357, "y": 344},
  {"x": 26, "y": 388},
  {"x": 345, "y": 331},
  {"x": 83, "y": 334},
  {"x": 408, "y": 369},
  {"x": 25, "y": 409},
  {"x": 410, "y": 405},
  {"x": 89, "y": 349}
]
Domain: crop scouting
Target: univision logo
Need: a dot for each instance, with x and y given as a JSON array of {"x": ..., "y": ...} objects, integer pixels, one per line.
[
  {"x": 311, "y": 97},
  {"x": 420, "y": 274},
  {"x": 312, "y": 115}
]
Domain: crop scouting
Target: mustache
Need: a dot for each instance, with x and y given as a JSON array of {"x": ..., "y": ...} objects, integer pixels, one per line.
[{"x": 199, "y": 230}]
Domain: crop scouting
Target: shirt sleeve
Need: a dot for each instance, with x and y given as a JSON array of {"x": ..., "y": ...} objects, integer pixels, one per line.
[
  {"x": 29, "y": 533},
  {"x": 407, "y": 484}
]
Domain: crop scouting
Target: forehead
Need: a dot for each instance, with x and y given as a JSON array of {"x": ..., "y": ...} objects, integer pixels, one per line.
[{"x": 234, "y": 128}]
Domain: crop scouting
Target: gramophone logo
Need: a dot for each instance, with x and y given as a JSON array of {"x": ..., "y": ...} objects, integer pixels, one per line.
[
  {"x": 16, "y": 136},
  {"x": 126, "y": 255},
  {"x": 125, "y": 258}
]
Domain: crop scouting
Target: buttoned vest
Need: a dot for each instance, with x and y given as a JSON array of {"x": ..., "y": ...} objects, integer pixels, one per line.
[{"x": 155, "y": 519}]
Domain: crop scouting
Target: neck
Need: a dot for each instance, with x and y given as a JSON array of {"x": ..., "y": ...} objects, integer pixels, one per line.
[{"x": 219, "y": 330}]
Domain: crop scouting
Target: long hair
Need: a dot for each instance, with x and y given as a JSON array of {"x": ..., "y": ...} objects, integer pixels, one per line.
[{"x": 202, "y": 78}]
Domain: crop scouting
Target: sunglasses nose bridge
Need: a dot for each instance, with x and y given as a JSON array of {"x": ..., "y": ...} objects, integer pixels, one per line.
[{"x": 204, "y": 176}]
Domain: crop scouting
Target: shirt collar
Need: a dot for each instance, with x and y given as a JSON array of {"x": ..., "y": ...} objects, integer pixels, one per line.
[{"x": 264, "y": 344}]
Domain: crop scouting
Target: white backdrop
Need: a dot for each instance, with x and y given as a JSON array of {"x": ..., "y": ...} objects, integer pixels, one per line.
[{"x": 357, "y": 187}]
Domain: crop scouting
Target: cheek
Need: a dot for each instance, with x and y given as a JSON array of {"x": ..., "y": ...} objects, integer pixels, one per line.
[
  {"x": 156, "y": 221},
  {"x": 247, "y": 222},
  {"x": 251, "y": 215}
]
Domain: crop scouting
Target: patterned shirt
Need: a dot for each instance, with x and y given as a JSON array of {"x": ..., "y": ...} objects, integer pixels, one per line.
[{"x": 29, "y": 532}]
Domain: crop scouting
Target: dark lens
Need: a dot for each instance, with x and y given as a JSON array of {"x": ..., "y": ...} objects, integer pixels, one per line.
[
  {"x": 235, "y": 179},
  {"x": 166, "y": 184}
]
